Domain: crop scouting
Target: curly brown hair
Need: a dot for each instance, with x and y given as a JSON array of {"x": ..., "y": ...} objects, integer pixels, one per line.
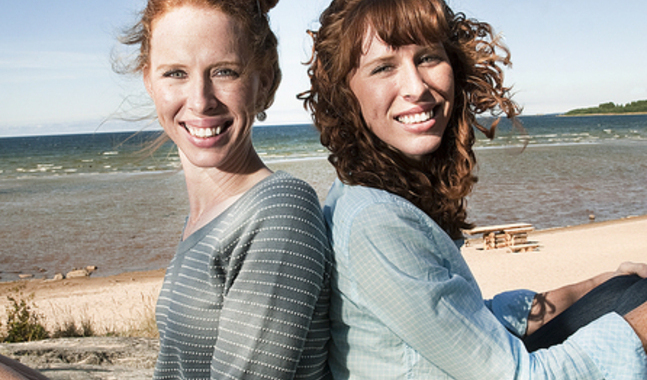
[{"x": 439, "y": 183}]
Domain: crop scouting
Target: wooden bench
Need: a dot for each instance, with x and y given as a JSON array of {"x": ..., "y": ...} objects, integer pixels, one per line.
[
  {"x": 524, "y": 247},
  {"x": 513, "y": 236}
]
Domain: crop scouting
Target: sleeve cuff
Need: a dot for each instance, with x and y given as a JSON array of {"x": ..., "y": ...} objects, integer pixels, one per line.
[{"x": 512, "y": 309}]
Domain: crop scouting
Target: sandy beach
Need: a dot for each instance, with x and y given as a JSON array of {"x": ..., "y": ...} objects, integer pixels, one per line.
[
  {"x": 124, "y": 303},
  {"x": 565, "y": 255}
]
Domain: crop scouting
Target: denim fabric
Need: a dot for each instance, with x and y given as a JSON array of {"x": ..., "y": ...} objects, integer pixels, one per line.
[{"x": 406, "y": 306}]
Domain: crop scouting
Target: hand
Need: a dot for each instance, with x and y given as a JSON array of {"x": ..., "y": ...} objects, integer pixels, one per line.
[{"x": 629, "y": 268}]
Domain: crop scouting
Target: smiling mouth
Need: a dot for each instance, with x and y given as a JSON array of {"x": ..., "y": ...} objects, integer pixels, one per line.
[
  {"x": 205, "y": 133},
  {"x": 416, "y": 118}
]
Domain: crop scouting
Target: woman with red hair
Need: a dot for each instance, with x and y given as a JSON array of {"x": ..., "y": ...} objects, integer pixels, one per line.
[{"x": 246, "y": 294}]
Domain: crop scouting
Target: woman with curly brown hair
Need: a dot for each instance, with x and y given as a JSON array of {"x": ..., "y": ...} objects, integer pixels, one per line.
[{"x": 395, "y": 89}]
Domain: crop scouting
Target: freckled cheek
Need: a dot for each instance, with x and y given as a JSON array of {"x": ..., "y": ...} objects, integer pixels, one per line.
[
  {"x": 167, "y": 105},
  {"x": 236, "y": 99},
  {"x": 240, "y": 101},
  {"x": 447, "y": 80},
  {"x": 170, "y": 100},
  {"x": 374, "y": 103}
]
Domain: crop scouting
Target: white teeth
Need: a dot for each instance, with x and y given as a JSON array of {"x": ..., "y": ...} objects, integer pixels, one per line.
[
  {"x": 417, "y": 118},
  {"x": 204, "y": 132}
]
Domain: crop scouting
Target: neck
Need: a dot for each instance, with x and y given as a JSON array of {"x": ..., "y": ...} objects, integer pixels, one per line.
[{"x": 212, "y": 190}]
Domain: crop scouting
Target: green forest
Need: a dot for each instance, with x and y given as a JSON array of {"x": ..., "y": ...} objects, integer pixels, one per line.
[{"x": 638, "y": 106}]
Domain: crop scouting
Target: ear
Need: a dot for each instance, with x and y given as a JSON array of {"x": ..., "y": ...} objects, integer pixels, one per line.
[{"x": 265, "y": 80}]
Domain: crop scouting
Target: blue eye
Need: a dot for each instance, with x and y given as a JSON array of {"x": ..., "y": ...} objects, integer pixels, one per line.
[
  {"x": 175, "y": 74},
  {"x": 226, "y": 72},
  {"x": 381, "y": 69},
  {"x": 430, "y": 59}
]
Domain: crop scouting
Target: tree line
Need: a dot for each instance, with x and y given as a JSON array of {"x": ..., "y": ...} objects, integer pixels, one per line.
[{"x": 611, "y": 108}]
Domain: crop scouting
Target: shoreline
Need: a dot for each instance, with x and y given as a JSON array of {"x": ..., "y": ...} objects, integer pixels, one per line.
[
  {"x": 160, "y": 272},
  {"x": 603, "y": 114},
  {"x": 471, "y": 240},
  {"x": 566, "y": 255}
]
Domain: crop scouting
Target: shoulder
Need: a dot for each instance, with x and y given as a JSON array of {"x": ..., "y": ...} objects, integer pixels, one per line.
[
  {"x": 374, "y": 226},
  {"x": 282, "y": 186},
  {"x": 357, "y": 212},
  {"x": 282, "y": 192},
  {"x": 348, "y": 203},
  {"x": 281, "y": 213},
  {"x": 281, "y": 205}
]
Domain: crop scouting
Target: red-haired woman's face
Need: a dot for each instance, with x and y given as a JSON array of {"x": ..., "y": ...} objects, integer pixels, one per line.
[
  {"x": 204, "y": 98},
  {"x": 406, "y": 94}
]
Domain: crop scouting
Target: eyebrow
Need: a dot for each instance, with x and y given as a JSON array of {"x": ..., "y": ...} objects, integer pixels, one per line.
[
  {"x": 384, "y": 58},
  {"x": 169, "y": 66},
  {"x": 379, "y": 60},
  {"x": 424, "y": 49}
]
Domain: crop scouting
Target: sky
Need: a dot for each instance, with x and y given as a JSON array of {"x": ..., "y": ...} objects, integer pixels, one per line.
[{"x": 55, "y": 58}]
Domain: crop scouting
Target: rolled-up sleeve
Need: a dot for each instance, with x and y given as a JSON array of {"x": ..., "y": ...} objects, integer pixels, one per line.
[
  {"x": 407, "y": 273},
  {"x": 512, "y": 309}
]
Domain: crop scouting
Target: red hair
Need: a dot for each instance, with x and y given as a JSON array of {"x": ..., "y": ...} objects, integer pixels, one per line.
[{"x": 251, "y": 15}]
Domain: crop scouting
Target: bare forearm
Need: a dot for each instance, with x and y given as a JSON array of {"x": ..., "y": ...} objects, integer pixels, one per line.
[
  {"x": 547, "y": 305},
  {"x": 637, "y": 319}
]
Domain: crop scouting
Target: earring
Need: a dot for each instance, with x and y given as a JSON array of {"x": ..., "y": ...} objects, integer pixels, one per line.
[{"x": 261, "y": 116}]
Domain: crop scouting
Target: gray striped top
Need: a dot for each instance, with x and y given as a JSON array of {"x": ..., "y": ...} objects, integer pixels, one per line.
[{"x": 247, "y": 296}]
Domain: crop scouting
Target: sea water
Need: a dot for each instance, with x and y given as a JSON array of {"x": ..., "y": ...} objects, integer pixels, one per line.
[
  {"x": 99, "y": 199},
  {"x": 37, "y": 156},
  {"x": 126, "y": 152}
]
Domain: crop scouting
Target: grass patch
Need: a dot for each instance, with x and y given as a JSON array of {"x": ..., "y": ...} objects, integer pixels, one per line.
[
  {"x": 23, "y": 321},
  {"x": 70, "y": 329},
  {"x": 146, "y": 326}
]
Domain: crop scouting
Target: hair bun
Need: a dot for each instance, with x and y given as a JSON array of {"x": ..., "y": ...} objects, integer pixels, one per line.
[{"x": 266, "y": 5}]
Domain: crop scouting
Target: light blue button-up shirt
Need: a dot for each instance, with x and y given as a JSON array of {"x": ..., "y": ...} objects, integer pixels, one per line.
[{"x": 406, "y": 306}]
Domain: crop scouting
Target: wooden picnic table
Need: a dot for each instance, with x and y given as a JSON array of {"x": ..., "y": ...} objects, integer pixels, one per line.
[{"x": 513, "y": 236}]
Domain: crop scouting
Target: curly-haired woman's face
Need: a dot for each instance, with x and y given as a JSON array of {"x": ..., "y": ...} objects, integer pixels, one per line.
[{"x": 406, "y": 94}]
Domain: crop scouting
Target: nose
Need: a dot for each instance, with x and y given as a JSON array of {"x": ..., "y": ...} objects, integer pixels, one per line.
[
  {"x": 413, "y": 85},
  {"x": 202, "y": 97}
]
